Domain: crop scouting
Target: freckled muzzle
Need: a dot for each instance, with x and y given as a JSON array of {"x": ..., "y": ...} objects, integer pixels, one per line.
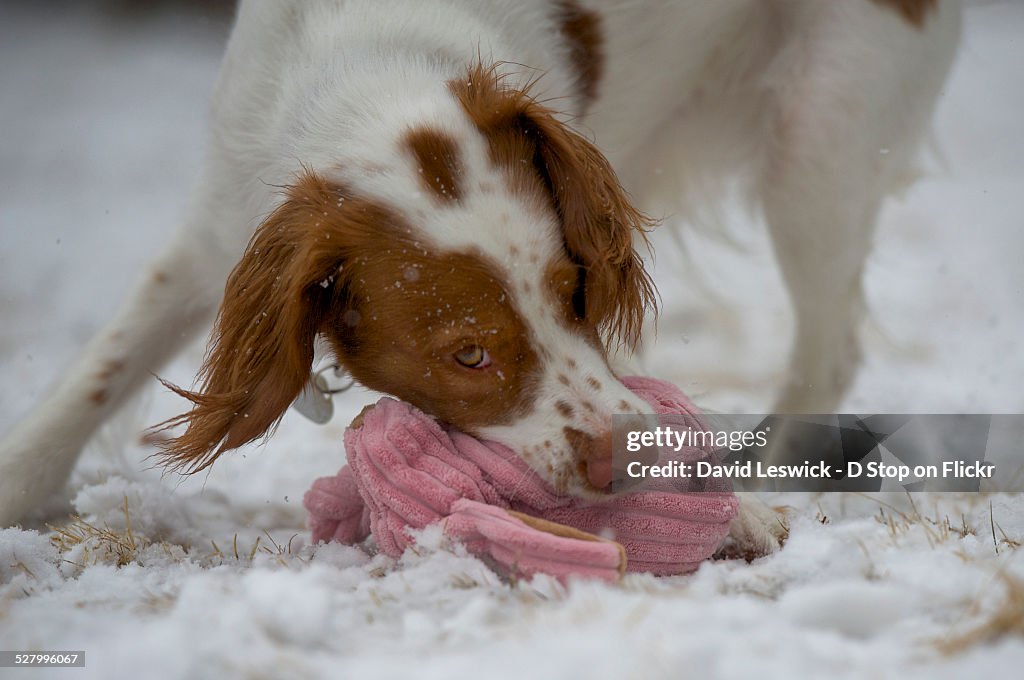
[{"x": 603, "y": 459}]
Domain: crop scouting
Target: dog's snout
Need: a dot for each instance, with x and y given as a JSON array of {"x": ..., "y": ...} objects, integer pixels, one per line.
[
  {"x": 628, "y": 448},
  {"x": 604, "y": 458},
  {"x": 594, "y": 455}
]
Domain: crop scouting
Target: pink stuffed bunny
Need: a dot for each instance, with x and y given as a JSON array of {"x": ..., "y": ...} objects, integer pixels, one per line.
[{"x": 406, "y": 471}]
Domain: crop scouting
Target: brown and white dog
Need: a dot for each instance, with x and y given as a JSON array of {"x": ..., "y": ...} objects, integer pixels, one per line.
[{"x": 444, "y": 194}]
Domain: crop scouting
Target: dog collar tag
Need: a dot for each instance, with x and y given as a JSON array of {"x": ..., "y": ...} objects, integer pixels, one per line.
[{"x": 314, "y": 402}]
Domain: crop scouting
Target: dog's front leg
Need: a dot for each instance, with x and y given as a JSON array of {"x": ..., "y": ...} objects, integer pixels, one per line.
[
  {"x": 173, "y": 301},
  {"x": 756, "y": 531},
  {"x": 851, "y": 98}
]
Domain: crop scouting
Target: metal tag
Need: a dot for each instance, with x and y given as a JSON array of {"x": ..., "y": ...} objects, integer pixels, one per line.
[{"x": 314, "y": 402}]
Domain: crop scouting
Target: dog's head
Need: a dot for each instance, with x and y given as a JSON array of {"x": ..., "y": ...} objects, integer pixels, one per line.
[{"x": 478, "y": 269}]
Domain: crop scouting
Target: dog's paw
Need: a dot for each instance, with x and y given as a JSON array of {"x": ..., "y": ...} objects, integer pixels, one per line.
[
  {"x": 28, "y": 480},
  {"x": 756, "y": 531},
  {"x": 17, "y": 497}
]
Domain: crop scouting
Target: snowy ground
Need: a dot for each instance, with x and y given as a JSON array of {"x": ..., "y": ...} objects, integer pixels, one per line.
[{"x": 103, "y": 131}]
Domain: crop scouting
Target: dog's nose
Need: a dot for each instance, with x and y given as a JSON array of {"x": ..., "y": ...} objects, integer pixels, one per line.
[
  {"x": 624, "y": 453},
  {"x": 606, "y": 466},
  {"x": 600, "y": 467},
  {"x": 593, "y": 454}
]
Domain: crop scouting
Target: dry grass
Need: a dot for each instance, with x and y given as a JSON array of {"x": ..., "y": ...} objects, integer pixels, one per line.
[
  {"x": 101, "y": 545},
  {"x": 221, "y": 555},
  {"x": 939, "y": 529},
  {"x": 120, "y": 547},
  {"x": 1006, "y": 620},
  {"x": 273, "y": 548}
]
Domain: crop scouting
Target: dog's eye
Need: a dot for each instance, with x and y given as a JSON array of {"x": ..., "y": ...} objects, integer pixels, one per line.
[{"x": 473, "y": 356}]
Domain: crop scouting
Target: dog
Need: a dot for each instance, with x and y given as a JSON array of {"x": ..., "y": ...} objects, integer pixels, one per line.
[{"x": 450, "y": 194}]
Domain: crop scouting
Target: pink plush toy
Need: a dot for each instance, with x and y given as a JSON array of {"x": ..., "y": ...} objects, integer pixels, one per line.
[{"x": 406, "y": 471}]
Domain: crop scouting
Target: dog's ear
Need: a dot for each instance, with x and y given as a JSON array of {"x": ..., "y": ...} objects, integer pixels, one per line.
[
  {"x": 275, "y": 302},
  {"x": 600, "y": 226},
  {"x": 599, "y": 222}
]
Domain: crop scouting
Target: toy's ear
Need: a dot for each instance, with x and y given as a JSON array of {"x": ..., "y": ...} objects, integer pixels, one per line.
[
  {"x": 599, "y": 222},
  {"x": 275, "y": 303}
]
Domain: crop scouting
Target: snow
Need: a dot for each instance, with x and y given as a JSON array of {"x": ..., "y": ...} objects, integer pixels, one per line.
[{"x": 104, "y": 125}]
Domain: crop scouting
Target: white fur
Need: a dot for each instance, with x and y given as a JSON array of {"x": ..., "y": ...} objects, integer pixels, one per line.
[{"x": 815, "y": 107}]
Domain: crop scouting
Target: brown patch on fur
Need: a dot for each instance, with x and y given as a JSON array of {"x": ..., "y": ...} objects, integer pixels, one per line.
[
  {"x": 624, "y": 406},
  {"x": 579, "y": 441},
  {"x": 160, "y": 276},
  {"x": 110, "y": 368},
  {"x": 439, "y": 166},
  {"x": 914, "y": 11},
  {"x": 587, "y": 448},
  {"x": 399, "y": 350},
  {"x": 581, "y": 29},
  {"x": 566, "y": 287},
  {"x": 594, "y": 382},
  {"x": 323, "y": 265},
  {"x": 563, "y": 286},
  {"x": 98, "y": 397},
  {"x": 564, "y": 408},
  {"x": 562, "y": 378},
  {"x": 541, "y": 154}
]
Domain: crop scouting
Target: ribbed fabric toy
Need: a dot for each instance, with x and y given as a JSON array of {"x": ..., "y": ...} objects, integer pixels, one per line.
[{"x": 406, "y": 471}]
